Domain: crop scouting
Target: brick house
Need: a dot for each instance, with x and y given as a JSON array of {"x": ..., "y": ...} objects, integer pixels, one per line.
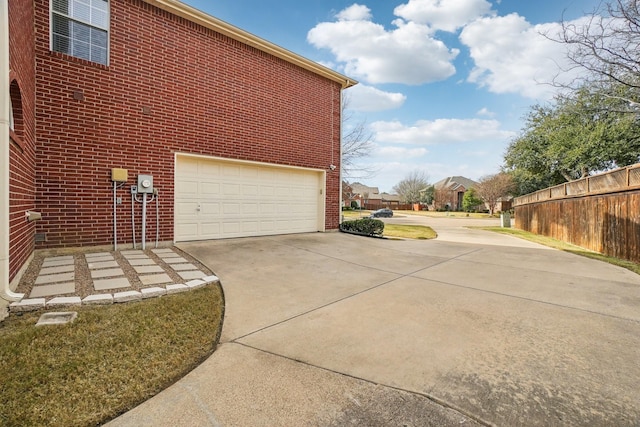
[
  {"x": 234, "y": 135},
  {"x": 450, "y": 191}
]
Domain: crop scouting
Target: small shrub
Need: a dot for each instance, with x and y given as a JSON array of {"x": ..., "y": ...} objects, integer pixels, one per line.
[
  {"x": 368, "y": 226},
  {"x": 346, "y": 208}
]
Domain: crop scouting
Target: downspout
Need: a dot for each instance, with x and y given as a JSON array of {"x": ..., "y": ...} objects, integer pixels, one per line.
[
  {"x": 5, "y": 290},
  {"x": 340, "y": 169}
]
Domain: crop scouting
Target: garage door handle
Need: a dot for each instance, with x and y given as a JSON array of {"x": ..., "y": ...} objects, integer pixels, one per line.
[{"x": 198, "y": 208}]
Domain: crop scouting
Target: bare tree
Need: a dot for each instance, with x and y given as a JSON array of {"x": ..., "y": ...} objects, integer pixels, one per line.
[
  {"x": 491, "y": 188},
  {"x": 607, "y": 46},
  {"x": 357, "y": 143},
  {"x": 441, "y": 197},
  {"x": 411, "y": 188}
]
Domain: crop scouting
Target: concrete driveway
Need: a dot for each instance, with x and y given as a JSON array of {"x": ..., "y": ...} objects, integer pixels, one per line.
[{"x": 470, "y": 328}]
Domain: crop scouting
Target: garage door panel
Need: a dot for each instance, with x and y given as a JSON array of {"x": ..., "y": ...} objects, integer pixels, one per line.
[
  {"x": 250, "y": 190},
  {"x": 219, "y": 199},
  {"x": 250, "y": 208},
  {"x": 188, "y": 230},
  {"x": 187, "y": 209},
  {"x": 231, "y": 208},
  {"x": 209, "y": 208},
  {"x": 188, "y": 188},
  {"x": 187, "y": 167},
  {"x": 211, "y": 229},
  {"x": 208, "y": 188}
]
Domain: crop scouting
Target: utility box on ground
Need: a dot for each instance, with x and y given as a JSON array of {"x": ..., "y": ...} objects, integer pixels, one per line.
[{"x": 505, "y": 220}]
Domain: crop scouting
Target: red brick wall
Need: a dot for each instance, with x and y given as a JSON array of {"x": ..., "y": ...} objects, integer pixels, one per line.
[
  {"x": 22, "y": 145},
  {"x": 171, "y": 86}
]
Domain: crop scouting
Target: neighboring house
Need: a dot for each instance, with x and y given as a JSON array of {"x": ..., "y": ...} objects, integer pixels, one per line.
[
  {"x": 236, "y": 136},
  {"x": 450, "y": 191},
  {"x": 369, "y": 197},
  {"x": 390, "y": 200},
  {"x": 364, "y": 195}
]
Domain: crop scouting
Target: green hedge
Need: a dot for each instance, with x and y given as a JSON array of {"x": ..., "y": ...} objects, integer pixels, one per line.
[{"x": 368, "y": 226}]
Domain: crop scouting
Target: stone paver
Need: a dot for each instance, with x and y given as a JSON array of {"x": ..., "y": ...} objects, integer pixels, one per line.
[
  {"x": 163, "y": 251},
  {"x": 103, "y": 264},
  {"x": 60, "y": 301},
  {"x": 67, "y": 268},
  {"x": 98, "y": 255},
  {"x": 174, "y": 260},
  {"x": 183, "y": 267},
  {"x": 146, "y": 269},
  {"x": 109, "y": 272},
  {"x": 114, "y": 283},
  {"x": 195, "y": 274},
  {"x": 53, "y": 263},
  {"x": 57, "y": 318},
  {"x": 98, "y": 299},
  {"x": 29, "y": 304},
  {"x": 58, "y": 260},
  {"x": 195, "y": 284},
  {"x": 174, "y": 289},
  {"x": 153, "y": 292},
  {"x": 155, "y": 279},
  {"x": 141, "y": 261},
  {"x": 136, "y": 256},
  {"x": 50, "y": 290},
  {"x": 132, "y": 252},
  {"x": 127, "y": 296},
  {"x": 54, "y": 278},
  {"x": 100, "y": 259}
]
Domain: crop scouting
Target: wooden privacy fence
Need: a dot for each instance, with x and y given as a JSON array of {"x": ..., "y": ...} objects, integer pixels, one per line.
[{"x": 601, "y": 212}]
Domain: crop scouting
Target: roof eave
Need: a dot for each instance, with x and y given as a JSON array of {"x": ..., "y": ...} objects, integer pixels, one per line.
[{"x": 197, "y": 16}]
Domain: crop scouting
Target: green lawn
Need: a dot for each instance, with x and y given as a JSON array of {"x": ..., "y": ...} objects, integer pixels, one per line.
[
  {"x": 567, "y": 247},
  {"x": 108, "y": 361},
  {"x": 409, "y": 231},
  {"x": 365, "y": 213},
  {"x": 435, "y": 214}
]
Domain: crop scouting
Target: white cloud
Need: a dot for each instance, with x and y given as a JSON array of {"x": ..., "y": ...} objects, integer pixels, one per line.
[
  {"x": 406, "y": 54},
  {"x": 395, "y": 152},
  {"x": 440, "y": 131},
  {"x": 513, "y": 56},
  {"x": 369, "y": 99},
  {"x": 485, "y": 112},
  {"x": 446, "y": 15},
  {"x": 355, "y": 12}
]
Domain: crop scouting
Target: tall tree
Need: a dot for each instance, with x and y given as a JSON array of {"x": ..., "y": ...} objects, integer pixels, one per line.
[
  {"x": 572, "y": 139},
  {"x": 357, "y": 144},
  {"x": 605, "y": 46},
  {"x": 471, "y": 200},
  {"x": 411, "y": 188},
  {"x": 493, "y": 187}
]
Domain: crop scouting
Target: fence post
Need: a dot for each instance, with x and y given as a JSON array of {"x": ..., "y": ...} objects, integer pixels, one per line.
[{"x": 588, "y": 185}]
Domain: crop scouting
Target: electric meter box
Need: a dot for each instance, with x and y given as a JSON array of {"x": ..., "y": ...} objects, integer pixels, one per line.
[{"x": 145, "y": 184}]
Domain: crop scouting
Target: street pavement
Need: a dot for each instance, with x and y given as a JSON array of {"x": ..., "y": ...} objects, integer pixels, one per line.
[{"x": 472, "y": 328}]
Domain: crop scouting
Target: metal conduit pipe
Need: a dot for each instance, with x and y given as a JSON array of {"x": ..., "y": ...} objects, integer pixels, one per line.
[{"x": 5, "y": 291}]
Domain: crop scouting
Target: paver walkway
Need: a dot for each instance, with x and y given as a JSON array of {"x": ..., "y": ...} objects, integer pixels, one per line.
[{"x": 148, "y": 274}]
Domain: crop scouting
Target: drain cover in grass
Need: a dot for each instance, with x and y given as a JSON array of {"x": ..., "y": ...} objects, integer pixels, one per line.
[{"x": 57, "y": 318}]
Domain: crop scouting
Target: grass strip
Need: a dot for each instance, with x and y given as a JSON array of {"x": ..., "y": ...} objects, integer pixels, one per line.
[
  {"x": 409, "y": 231},
  {"x": 108, "y": 361},
  {"x": 564, "y": 246}
]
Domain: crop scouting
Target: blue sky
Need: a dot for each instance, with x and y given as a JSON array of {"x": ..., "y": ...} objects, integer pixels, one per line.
[{"x": 444, "y": 84}]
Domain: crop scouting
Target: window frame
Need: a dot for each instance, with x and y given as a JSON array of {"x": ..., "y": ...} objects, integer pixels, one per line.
[{"x": 71, "y": 18}]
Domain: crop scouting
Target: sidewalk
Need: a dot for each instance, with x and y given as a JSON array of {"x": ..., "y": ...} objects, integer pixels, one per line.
[{"x": 82, "y": 278}]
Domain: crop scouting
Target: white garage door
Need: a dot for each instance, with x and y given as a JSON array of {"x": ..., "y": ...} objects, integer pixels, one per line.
[{"x": 217, "y": 199}]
